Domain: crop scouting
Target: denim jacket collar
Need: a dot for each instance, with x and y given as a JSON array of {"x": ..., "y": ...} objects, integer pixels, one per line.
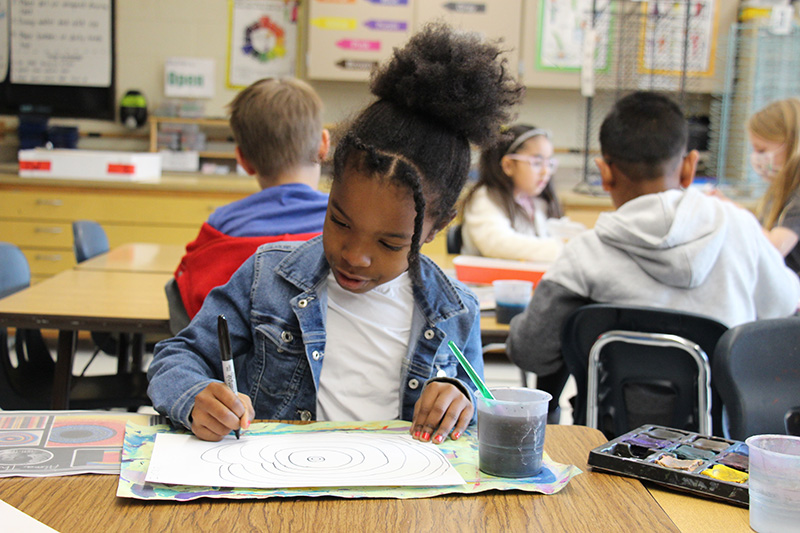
[{"x": 306, "y": 268}]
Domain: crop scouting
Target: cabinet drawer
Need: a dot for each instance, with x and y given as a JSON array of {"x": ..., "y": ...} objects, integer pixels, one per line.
[
  {"x": 115, "y": 206},
  {"x": 36, "y": 234},
  {"x": 49, "y": 262}
]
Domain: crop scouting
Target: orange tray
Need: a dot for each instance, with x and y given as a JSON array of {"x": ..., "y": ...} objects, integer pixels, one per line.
[{"x": 474, "y": 269}]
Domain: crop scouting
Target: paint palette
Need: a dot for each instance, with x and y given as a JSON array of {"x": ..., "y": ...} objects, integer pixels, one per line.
[{"x": 707, "y": 466}]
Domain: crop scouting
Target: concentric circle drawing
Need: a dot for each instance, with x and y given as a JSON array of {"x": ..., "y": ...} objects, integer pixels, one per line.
[
  {"x": 19, "y": 438},
  {"x": 24, "y": 456},
  {"x": 80, "y": 434},
  {"x": 330, "y": 459}
]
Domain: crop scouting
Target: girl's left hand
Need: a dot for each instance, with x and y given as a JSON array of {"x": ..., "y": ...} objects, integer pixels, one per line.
[{"x": 441, "y": 408}]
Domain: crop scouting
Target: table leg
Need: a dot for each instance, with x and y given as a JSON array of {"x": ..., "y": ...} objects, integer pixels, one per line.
[
  {"x": 137, "y": 352},
  {"x": 62, "y": 380},
  {"x": 124, "y": 354}
]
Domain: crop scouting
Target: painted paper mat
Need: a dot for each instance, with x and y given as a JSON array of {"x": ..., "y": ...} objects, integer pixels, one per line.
[
  {"x": 462, "y": 454},
  {"x": 59, "y": 443}
]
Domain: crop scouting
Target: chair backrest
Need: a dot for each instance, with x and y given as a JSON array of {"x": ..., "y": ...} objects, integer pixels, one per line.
[
  {"x": 454, "y": 239},
  {"x": 641, "y": 382},
  {"x": 178, "y": 317},
  {"x": 756, "y": 370},
  {"x": 15, "y": 273},
  {"x": 89, "y": 240},
  {"x": 26, "y": 382}
]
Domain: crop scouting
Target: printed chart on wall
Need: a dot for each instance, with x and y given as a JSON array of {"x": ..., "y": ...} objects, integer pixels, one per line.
[
  {"x": 562, "y": 26},
  {"x": 347, "y": 38},
  {"x": 60, "y": 43},
  {"x": 664, "y": 34},
  {"x": 41, "y": 443},
  {"x": 262, "y": 40},
  {"x": 488, "y": 18}
]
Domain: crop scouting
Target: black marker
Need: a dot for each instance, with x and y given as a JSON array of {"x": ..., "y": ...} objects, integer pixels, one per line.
[{"x": 227, "y": 357}]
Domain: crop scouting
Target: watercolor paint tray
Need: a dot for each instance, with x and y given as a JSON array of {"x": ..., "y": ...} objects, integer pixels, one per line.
[{"x": 713, "y": 467}]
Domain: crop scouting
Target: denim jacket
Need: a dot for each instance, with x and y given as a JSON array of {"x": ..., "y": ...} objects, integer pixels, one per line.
[{"x": 275, "y": 305}]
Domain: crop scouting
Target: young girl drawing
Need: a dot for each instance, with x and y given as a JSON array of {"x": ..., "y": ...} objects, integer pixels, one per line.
[
  {"x": 506, "y": 213},
  {"x": 354, "y": 325},
  {"x": 774, "y": 133}
]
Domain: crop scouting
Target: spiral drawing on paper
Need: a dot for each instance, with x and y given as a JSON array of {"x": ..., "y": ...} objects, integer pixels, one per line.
[{"x": 329, "y": 459}]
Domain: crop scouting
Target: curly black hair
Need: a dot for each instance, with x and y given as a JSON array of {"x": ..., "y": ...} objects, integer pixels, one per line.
[{"x": 437, "y": 94}]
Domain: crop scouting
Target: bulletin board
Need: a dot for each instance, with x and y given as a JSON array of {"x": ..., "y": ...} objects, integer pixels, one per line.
[
  {"x": 57, "y": 56},
  {"x": 347, "y": 39}
]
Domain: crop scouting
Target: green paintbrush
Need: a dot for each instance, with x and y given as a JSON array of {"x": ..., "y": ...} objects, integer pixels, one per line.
[{"x": 476, "y": 379}]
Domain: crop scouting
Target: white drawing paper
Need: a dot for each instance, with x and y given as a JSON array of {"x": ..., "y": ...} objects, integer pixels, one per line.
[{"x": 340, "y": 459}]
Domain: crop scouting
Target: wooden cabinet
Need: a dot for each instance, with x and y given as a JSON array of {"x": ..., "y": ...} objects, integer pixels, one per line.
[{"x": 37, "y": 214}]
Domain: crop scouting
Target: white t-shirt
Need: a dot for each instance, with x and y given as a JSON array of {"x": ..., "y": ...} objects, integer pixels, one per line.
[{"x": 367, "y": 342}]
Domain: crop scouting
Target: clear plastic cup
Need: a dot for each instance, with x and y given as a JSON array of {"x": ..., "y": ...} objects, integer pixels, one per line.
[
  {"x": 511, "y": 298},
  {"x": 774, "y": 483},
  {"x": 511, "y": 431}
]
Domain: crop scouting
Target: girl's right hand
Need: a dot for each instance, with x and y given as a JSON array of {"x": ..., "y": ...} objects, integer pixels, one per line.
[{"x": 217, "y": 411}]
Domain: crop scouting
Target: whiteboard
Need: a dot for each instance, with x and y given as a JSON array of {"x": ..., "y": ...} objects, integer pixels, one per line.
[{"x": 61, "y": 42}]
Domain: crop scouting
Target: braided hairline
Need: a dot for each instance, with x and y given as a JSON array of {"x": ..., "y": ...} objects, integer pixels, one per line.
[{"x": 400, "y": 169}]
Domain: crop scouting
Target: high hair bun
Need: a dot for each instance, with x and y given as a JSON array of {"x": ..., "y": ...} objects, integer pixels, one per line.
[{"x": 455, "y": 77}]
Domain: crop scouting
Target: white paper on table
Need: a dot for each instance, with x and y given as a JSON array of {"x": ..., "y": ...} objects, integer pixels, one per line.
[
  {"x": 15, "y": 520},
  {"x": 325, "y": 459}
]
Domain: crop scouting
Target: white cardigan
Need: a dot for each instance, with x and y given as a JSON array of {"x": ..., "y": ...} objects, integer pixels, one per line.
[{"x": 487, "y": 231}]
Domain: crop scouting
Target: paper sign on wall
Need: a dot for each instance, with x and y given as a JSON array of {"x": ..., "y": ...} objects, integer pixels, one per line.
[{"x": 189, "y": 77}]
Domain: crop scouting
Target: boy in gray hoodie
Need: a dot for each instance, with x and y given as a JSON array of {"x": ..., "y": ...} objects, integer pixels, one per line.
[{"x": 666, "y": 245}]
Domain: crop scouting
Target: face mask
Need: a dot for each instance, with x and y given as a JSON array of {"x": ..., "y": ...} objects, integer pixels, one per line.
[{"x": 764, "y": 164}]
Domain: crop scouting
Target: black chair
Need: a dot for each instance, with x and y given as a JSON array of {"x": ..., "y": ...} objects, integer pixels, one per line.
[
  {"x": 27, "y": 382},
  {"x": 178, "y": 317},
  {"x": 792, "y": 421},
  {"x": 757, "y": 373},
  {"x": 649, "y": 366},
  {"x": 454, "y": 239}
]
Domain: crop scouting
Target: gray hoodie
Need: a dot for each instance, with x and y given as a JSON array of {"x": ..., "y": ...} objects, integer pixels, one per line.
[{"x": 678, "y": 250}]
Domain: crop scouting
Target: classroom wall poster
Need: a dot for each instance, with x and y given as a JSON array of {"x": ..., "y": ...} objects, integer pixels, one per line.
[
  {"x": 562, "y": 26},
  {"x": 663, "y": 34},
  {"x": 348, "y": 38},
  {"x": 61, "y": 43},
  {"x": 262, "y": 40}
]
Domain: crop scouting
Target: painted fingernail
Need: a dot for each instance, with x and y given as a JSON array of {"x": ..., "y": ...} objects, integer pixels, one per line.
[
  {"x": 438, "y": 439},
  {"x": 416, "y": 434},
  {"x": 455, "y": 435},
  {"x": 426, "y": 436}
]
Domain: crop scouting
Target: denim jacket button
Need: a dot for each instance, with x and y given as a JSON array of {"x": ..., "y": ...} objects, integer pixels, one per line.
[
  {"x": 429, "y": 334},
  {"x": 305, "y": 416},
  {"x": 413, "y": 383},
  {"x": 286, "y": 336},
  {"x": 302, "y": 303},
  {"x": 316, "y": 355}
]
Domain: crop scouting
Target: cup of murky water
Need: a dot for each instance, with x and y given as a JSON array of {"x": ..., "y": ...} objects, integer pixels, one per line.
[{"x": 511, "y": 431}]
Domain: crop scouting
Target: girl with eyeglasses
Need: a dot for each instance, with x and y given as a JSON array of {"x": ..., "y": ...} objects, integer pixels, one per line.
[{"x": 506, "y": 213}]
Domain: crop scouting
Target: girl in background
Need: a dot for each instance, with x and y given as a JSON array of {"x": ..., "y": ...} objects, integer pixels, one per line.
[
  {"x": 355, "y": 324},
  {"x": 774, "y": 133},
  {"x": 506, "y": 213}
]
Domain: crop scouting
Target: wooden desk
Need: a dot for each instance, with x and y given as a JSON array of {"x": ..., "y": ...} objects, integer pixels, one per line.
[
  {"x": 138, "y": 257},
  {"x": 89, "y": 300},
  {"x": 591, "y": 502},
  {"x": 491, "y": 330}
]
